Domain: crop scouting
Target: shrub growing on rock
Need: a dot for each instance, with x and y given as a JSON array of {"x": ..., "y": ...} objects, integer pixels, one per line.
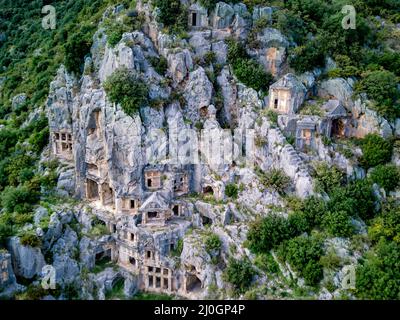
[
  {"x": 267, "y": 233},
  {"x": 240, "y": 274},
  {"x": 304, "y": 254},
  {"x": 172, "y": 14},
  {"x": 386, "y": 176},
  {"x": 252, "y": 74},
  {"x": 18, "y": 199},
  {"x": 125, "y": 88},
  {"x": 381, "y": 86},
  {"x": 30, "y": 239},
  {"x": 328, "y": 178},
  {"x": 160, "y": 64},
  {"x": 377, "y": 276},
  {"x": 275, "y": 179},
  {"x": 337, "y": 224},
  {"x": 376, "y": 150},
  {"x": 247, "y": 70},
  {"x": 232, "y": 190},
  {"x": 356, "y": 199}
]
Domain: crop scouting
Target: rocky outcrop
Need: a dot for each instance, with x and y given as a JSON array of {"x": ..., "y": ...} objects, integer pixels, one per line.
[
  {"x": 27, "y": 261},
  {"x": 229, "y": 93},
  {"x": 18, "y": 101},
  {"x": 223, "y": 15},
  {"x": 198, "y": 93},
  {"x": 64, "y": 251},
  {"x": 338, "y": 88},
  {"x": 8, "y": 282}
]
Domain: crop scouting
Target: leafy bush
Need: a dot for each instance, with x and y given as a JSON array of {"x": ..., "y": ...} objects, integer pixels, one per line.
[
  {"x": 240, "y": 274},
  {"x": 307, "y": 56},
  {"x": 387, "y": 224},
  {"x": 8, "y": 138},
  {"x": 356, "y": 199},
  {"x": 125, "y": 88},
  {"x": 328, "y": 178},
  {"x": 252, "y": 74},
  {"x": 267, "y": 233},
  {"x": 114, "y": 31},
  {"x": 304, "y": 254},
  {"x": 381, "y": 86},
  {"x": 6, "y": 229},
  {"x": 377, "y": 276},
  {"x": 337, "y": 224},
  {"x": 299, "y": 223},
  {"x": 275, "y": 179},
  {"x": 30, "y": 239},
  {"x": 209, "y": 57},
  {"x": 314, "y": 209},
  {"x": 160, "y": 64},
  {"x": 178, "y": 248},
  {"x": 76, "y": 48},
  {"x": 213, "y": 243},
  {"x": 267, "y": 263},
  {"x": 247, "y": 70},
  {"x": 172, "y": 14},
  {"x": 232, "y": 190},
  {"x": 291, "y": 24},
  {"x": 273, "y": 117},
  {"x": 16, "y": 199},
  {"x": 213, "y": 246},
  {"x": 376, "y": 150},
  {"x": 386, "y": 176}
]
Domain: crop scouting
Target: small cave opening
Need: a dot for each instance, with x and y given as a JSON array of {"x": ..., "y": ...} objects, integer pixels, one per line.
[
  {"x": 193, "y": 283},
  {"x": 103, "y": 257},
  {"x": 206, "y": 221},
  {"x": 208, "y": 190}
]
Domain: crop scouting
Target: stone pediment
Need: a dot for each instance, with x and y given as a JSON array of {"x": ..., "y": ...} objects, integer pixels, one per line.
[{"x": 155, "y": 201}]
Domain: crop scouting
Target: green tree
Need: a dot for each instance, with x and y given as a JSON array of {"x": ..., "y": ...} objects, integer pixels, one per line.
[
  {"x": 379, "y": 273},
  {"x": 376, "y": 150},
  {"x": 387, "y": 176},
  {"x": 337, "y": 224},
  {"x": 381, "y": 86},
  {"x": 328, "y": 178},
  {"x": 304, "y": 254},
  {"x": 125, "y": 88},
  {"x": 240, "y": 274},
  {"x": 356, "y": 199},
  {"x": 267, "y": 233}
]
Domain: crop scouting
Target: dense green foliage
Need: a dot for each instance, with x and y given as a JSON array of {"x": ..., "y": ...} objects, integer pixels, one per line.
[
  {"x": 337, "y": 224},
  {"x": 275, "y": 179},
  {"x": 240, "y": 274},
  {"x": 328, "y": 178},
  {"x": 387, "y": 224},
  {"x": 160, "y": 64},
  {"x": 386, "y": 176},
  {"x": 304, "y": 254},
  {"x": 376, "y": 150},
  {"x": 381, "y": 87},
  {"x": 172, "y": 14},
  {"x": 247, "y": 70},
  {"x": 29, "y": 58},
  {"x": 232, "y": 190},
  {"x": 125, "y": 88},
  {"x": 30, "y": 239},
  {"x": 267, "y": 233},
  {"x": 378, "y": 275}
]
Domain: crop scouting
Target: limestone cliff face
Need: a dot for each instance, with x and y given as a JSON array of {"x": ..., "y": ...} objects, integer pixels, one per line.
[
  {"x": 108, "y": 166},
  {"x": 109, "y": 155}
]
